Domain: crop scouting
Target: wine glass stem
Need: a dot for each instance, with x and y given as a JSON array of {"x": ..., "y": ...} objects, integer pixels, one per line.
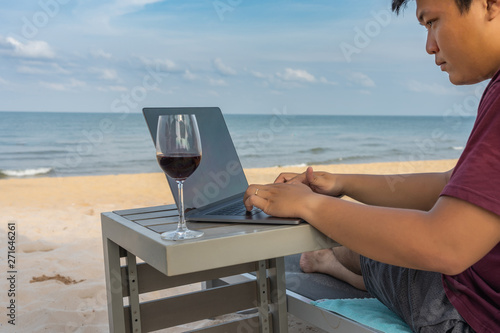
[{"x": 181, "y": 227}]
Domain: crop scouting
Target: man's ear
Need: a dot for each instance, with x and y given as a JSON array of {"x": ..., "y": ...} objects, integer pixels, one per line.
[{"x": 493, "y": 9}]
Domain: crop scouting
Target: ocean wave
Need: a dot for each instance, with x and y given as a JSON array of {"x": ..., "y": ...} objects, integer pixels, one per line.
[
  {"x": 302, "y": 165},
  {"x": 30, "y": 153},
  {"x": 347, "y": 159},
  {"x": 317, "y": 150},
  {"x": 250, "y": 156},
  {"x": 372, "y": 144},
  {"x": 25, "y": 172},
  {"x": 457, "y": 148}
]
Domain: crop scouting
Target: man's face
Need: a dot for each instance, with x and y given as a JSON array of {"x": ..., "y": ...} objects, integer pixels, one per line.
[{"x": 459, "y": 41}]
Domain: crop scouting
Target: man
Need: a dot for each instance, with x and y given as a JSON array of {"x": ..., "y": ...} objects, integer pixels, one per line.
[{"x": 433, "y": 239}]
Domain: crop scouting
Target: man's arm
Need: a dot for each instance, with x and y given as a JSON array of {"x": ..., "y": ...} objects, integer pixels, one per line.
[
  {"x": 448, "y": 239},
  {"x": 412, "y": 191}
]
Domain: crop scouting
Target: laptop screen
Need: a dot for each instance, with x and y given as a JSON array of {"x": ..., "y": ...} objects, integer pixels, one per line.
[{"x": 219, "y": 175}]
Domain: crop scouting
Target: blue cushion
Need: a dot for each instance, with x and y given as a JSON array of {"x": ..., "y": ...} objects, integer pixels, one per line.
[{"x": 367, "y": 311}]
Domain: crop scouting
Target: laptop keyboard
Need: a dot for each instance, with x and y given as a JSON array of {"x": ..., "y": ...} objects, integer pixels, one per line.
[{"x": 236, "y": 209}]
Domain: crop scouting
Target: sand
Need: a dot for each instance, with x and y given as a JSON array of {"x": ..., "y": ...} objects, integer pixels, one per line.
[{"x": 59, "y": 280}]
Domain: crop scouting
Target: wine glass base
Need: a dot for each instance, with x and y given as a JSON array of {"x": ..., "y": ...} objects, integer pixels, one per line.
[{"x": 181, "y": 235}]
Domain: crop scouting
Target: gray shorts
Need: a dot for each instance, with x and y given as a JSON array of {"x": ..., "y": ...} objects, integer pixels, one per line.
[{"x": 418, "y": 297}]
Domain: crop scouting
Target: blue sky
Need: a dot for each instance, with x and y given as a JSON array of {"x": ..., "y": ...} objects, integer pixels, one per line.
[{"x": 246, "y": 56}]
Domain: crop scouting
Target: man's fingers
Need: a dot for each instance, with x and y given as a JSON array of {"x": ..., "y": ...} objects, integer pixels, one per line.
[
  {"x": 281, "y": 178},
  {"x": 284, "y": 177},
  {"x": 248, "y": 204},
  {"x": 310, "y": 175},
  {"x": 253, "y": 197},
  {"x": 255, "y": 200}
]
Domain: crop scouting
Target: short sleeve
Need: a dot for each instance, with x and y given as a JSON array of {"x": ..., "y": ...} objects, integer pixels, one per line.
[{"x": 476, "y": 178}]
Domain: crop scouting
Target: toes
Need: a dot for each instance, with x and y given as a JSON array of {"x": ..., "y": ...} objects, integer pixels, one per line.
[{"x": 306, "y": 262}]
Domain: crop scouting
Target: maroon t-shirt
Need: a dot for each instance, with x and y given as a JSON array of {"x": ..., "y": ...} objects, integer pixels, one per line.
[{"x": 475, "y": 293}]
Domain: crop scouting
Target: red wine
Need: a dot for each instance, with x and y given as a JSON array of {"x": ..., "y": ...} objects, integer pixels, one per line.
[{"x": 179, "y": 166}]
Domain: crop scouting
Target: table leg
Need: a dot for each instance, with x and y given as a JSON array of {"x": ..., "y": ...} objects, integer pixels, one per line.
[
  {"x": 114, "y": 287},
  {"x": 277, "y": 281},
  {"x": 133, "y": 286},
  {"x": 262, "y": 297}
]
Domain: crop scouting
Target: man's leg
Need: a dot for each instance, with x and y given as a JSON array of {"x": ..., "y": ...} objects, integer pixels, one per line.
[
  {"x": 418, "y": 297},
  {"x": 339, "y": 262}
]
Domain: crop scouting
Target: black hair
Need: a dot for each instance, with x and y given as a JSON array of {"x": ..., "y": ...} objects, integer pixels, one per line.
[{"x": 463, "y": 5}]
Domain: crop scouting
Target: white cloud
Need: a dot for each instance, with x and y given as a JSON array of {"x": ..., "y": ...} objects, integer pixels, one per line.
[
  {"x": 293, "y": 75},
  {"x": 260, "y": 75},
  {"x": 189, "y": 76},
  {"x": 296, "y": 75},
  {"x": 113, "y": 88},
  {"x": 3, "y": 81},
  {"x": 167, "y": 65},
  {"x": 217, "y": 82},
  {"x": 163, "y": 65},
  {"x": 31, "y": 70},
  {"x": 37, "y": 68},
  {"x": 222, "y": 68},
  {"x": 105, "y": 73},
  {"x": 121, "y": 7},
  {"x": 431, "y": 88},
  {"x": 326, "y": 81},
  {"x": 100, "y": 54},
  {"x": 109, "y": 74},
  {"x": 361, "y": 79},
  {"x": 54, "y": 86},
  {"x": 73, "y": 83},
  {"x": 35, "y": 49},
  {"x": 99, "y": 16}
]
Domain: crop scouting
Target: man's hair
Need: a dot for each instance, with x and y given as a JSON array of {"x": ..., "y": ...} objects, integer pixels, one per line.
[{"x": 463, "y": 5}]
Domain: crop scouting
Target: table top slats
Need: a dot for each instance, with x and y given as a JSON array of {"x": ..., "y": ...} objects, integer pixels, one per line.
[
  {"x": 125, "y": 212},
  {"x": 152, "y": 215},
  {"x": 164, "y": 218},
  {"x": 157, "y": 221}
]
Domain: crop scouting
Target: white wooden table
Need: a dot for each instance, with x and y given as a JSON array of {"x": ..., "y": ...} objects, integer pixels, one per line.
[{"x": 226, "y": 249}]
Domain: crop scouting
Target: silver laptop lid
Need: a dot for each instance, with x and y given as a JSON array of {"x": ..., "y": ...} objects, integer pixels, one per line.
[{"x": 220, "y": 174}]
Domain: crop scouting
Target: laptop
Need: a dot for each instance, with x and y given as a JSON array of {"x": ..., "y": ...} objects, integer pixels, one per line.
[{"x": 214, "y": 192}]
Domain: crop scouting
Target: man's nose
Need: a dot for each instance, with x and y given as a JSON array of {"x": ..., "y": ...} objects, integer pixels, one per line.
[{"x": 431, "y": 46}]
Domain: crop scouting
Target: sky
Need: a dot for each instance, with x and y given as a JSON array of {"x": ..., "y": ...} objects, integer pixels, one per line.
[{"x": 333, "y": 57}]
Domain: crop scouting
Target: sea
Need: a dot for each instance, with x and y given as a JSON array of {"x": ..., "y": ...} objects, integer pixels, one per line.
[{"x": 51, "y": 144}]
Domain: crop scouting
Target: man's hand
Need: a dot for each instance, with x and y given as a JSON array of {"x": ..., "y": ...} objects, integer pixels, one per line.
[
  {"x": 320, "y": 182},
  {"x": 282, "y": 200}
]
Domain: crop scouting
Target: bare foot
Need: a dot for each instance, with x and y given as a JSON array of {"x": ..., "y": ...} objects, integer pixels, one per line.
[
  {"x": 324, "y": 261},
  {"x": 317, "y": 261}
]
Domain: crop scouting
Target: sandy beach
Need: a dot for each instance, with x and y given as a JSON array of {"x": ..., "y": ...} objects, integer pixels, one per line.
[{"x": 60, "y": 285}]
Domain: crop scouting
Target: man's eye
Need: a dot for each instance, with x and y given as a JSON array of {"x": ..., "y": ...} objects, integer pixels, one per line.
[{"x": 429, "y": 23}]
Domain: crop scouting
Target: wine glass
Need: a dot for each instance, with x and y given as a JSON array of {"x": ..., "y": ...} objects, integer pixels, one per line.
[{"x": 178, "y": 151}]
